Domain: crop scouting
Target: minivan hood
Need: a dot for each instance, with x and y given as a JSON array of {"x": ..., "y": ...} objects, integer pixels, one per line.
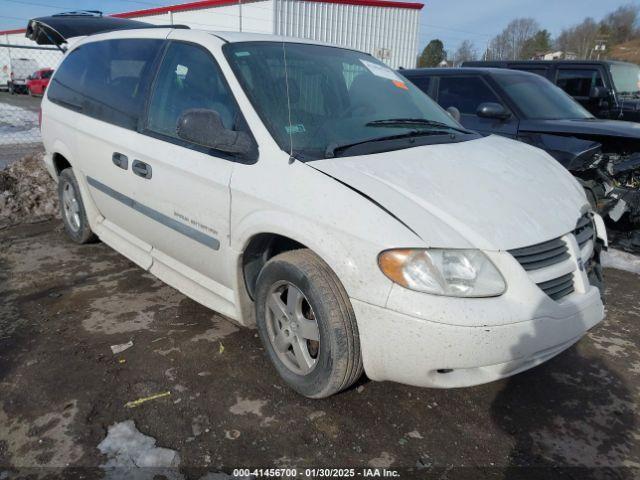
[
  {"x": 595, "y": 126},
  {"x": 491, "y": 193}
]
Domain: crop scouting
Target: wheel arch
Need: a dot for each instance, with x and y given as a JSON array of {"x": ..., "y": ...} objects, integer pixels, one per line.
[
  {"x": 60, "y": 162},
  {"x": 259, "y": 249},
  {"x": 262, "y": 235}
]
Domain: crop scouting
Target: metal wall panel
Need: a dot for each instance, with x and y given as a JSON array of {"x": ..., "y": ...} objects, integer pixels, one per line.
[{"x": 390, "y": 34}]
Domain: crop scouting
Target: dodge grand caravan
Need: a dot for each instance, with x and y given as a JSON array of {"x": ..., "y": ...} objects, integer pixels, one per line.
[{"x": 313, "y": 192}]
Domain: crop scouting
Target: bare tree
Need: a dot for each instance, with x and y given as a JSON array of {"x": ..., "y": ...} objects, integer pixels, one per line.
[
  {"x": 621, "y": 25},
  {"x": 466, "y": 52},
  {"x": 579, "y": 39},
  {"x": 509, "y": 44}
]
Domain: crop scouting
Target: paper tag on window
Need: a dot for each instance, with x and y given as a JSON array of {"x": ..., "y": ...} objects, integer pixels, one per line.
[
  {"x": 291, "y": 129},
  {"x": 381, "y": 71}
]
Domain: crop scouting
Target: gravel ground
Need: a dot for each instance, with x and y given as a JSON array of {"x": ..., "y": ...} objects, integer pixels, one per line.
[{"x": 64, "y": 393}]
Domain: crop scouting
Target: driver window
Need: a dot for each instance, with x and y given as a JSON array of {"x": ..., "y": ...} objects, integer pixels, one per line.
[
  {"x": 188, "y": 78},
  {"x": 464, "y": 93}
]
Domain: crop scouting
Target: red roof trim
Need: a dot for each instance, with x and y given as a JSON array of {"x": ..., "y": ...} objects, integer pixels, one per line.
[
  {"x": 175, "y": 8},
  {"x": 11, "y": 32},
  {"x": 375, "y": 3},
  {"x": 220, "y": 3}
]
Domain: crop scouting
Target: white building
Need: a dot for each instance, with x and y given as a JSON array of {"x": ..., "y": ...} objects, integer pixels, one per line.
[{"x": 386, "y": 29}]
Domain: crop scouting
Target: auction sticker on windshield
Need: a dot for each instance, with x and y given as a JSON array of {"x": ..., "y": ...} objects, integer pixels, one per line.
[
  {"x": 384, "y": 72},
  {"x": 381, "y": 71}
]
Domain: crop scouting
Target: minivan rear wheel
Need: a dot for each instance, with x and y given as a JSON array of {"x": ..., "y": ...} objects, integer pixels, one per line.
[
  {"x": 307, "y": 324},
  {"x": 72, "y": 210}
]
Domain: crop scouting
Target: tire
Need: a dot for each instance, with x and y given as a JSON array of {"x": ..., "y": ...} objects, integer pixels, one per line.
[
  {"x": 337, "y": 363},
  {"x": 74, "y": 217}
]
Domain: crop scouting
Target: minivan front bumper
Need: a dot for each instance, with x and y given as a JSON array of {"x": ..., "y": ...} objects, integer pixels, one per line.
[{"x": 416, "y": 351}]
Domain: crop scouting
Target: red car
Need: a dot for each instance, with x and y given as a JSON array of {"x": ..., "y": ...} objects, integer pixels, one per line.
[{"x": 37, "y": 83}]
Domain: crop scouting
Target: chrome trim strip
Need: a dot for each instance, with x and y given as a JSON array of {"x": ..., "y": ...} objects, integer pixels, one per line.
[{"x": 173, "y": 224}]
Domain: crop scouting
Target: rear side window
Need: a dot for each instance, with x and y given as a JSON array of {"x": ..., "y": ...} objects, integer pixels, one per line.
[
  {"x": 578, "y": 83},
  {"x": 107, "y": 80},
  {"x": 464, "y": 93}
]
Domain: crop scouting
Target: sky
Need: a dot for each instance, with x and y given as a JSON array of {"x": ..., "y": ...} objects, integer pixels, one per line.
[{"x": 452, "y": 21}]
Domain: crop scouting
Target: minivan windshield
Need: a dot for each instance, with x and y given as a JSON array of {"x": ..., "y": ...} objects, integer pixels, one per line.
[
  {"x": 320, "y": 101},
  {"x": 626, "y": 78},
  {"x": 539, "y": 99}
]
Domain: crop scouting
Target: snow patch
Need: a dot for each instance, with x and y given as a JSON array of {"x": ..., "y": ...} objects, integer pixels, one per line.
[
  {"x": 620, "y": 260},
  {"x": 130, "y": 454},
  {"x": 18, "y": 126}
]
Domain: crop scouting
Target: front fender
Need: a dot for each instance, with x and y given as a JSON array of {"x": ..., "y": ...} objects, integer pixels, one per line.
[{"x": 353, "y": 260}]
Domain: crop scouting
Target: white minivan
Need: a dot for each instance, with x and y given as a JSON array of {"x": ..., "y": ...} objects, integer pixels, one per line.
[{"x": 313, "y": 192}]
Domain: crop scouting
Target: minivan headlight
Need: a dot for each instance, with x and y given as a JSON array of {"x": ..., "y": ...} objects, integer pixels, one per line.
[{"x": 455, "y": 273}]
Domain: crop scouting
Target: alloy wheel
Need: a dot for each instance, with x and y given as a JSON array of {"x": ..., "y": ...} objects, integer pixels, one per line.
[
  {"x": 292, "y": 328},
  {"x": 71, "y": 207}
]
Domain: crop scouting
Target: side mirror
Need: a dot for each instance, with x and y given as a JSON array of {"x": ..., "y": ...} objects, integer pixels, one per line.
[
  {"x": 204, "y": 127},
  {"x": 599, "y": 93},
  {"x": 454, "y": 112},
  {"x": 492, "y": 110}
]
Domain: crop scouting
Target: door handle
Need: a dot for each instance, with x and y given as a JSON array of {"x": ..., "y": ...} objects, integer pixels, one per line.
[
  {"x": 120, "y": 160},
  {"x": 141, "y": 169}
]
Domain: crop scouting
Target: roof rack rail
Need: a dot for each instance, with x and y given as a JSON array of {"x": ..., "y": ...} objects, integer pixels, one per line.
[{"x": 79, "y": 13}]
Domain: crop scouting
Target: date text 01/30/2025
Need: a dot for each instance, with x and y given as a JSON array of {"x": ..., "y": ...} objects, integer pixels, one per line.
[{"x": 317, "y": 472}]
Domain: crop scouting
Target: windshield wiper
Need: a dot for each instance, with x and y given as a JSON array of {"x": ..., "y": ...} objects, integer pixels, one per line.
[
  {"x": 332, "y": 148},
  {"x": 406, "y": 122}
]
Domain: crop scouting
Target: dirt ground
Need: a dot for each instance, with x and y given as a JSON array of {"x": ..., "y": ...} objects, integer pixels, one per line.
[{"x": 61, "y": 387}]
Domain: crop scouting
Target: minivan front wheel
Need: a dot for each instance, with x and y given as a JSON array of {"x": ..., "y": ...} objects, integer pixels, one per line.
[
  {"x": 72, "y": 210},
  {"x": 307, "y": 324}
]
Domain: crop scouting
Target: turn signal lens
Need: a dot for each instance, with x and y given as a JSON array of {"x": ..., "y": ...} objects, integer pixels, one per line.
[{"x": 456, "y": 273}]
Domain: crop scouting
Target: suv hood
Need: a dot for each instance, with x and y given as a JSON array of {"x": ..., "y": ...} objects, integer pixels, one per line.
[
  {"x": 492, "y": 193},
  {"x": 613, "y": 128}
]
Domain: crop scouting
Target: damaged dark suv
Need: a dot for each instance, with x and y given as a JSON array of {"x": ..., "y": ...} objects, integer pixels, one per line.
[
  {"x": 607, "y": 88},
  {"x": 603, "y": 154}
]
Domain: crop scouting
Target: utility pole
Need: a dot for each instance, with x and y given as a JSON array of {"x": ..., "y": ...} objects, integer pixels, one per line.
[
  {"x": 601, "y": 44},
  {"x": 240, "y": 15}
]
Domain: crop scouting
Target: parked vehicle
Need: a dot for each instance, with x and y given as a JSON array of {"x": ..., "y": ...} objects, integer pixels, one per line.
[
  {"x": 37, "y": 83},
  {"x": 21, "y": 68},
  {"x": 5, "y": 70},
  {"x": 603, "y": 154},
  {"x": 608, "y": 89},
  {"x": 254, "y": 174}
]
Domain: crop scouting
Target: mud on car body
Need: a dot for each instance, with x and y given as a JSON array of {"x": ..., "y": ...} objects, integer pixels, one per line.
[
  {"x": 255, "y": 174},
  {"x": 603, "y": 154}
]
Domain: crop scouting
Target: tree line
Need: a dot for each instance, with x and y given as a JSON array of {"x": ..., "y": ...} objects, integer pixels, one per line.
[{"x": 524, "y": 39}]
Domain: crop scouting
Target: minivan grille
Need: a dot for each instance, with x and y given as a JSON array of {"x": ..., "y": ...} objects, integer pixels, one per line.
[
  {"x": 558, "y": 287},
  {"x": 541, "y": 255},
  {"x": 552, "y": 252}
]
